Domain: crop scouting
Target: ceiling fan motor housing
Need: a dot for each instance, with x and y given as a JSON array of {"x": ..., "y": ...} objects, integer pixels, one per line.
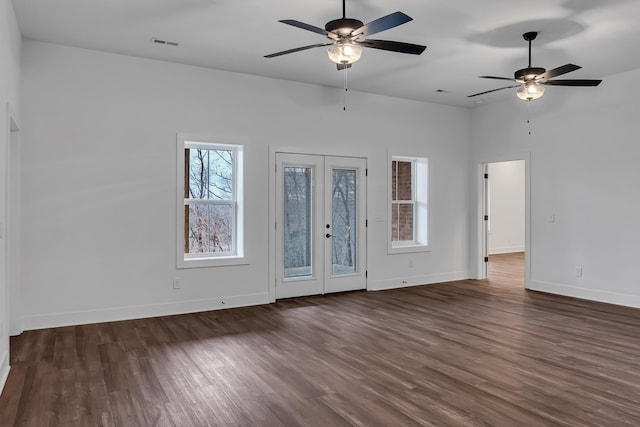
[
  {"x": 529, "y": 73},
  {"x": 343, "y": 26}
]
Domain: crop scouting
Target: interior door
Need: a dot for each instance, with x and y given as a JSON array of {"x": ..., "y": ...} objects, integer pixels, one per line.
[{"x": 320, "y": 224}]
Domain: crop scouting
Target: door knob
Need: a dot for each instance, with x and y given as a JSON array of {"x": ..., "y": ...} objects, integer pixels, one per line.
[{"x": 327, "y": 235}]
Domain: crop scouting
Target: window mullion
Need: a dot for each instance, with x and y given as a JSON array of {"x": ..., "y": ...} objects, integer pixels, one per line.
[{"x": 208, "y": 202}]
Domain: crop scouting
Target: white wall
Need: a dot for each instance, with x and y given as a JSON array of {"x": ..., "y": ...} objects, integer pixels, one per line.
[
  {"x": 584, "y": 172},
  {"x": 99, "y": 181},
  {"x": 10, "y": 44},
  {"x": 506, "y": 202}
]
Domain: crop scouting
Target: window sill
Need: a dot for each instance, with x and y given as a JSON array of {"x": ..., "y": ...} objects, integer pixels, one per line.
[
  {"x": 404, "y": 249},
  {"x": 212, "y": 262}
]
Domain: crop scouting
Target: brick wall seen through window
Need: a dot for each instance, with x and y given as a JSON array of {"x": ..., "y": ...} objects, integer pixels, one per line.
[{"x": 403, "y": 200}]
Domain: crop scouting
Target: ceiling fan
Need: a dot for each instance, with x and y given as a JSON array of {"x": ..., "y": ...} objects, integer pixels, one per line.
[
  {"x": 531, "y": 78},
  {"x": 348, "y": 37}
]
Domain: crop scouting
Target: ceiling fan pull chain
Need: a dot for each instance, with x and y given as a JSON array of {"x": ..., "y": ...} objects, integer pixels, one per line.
[
  {"x": 344, "y": 102},
  {"x": 529, "y": 116}
]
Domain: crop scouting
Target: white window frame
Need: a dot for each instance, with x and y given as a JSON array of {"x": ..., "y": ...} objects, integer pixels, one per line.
[
  {"x": 419, "y": 201},
  {"x": 213, "y": 259}
]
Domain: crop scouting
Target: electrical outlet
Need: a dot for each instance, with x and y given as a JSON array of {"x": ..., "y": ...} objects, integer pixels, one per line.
[
  {"x": 177, "y": 284},
  {"x": 578, "y": 271},
  {"x": 551, "y": 217}
]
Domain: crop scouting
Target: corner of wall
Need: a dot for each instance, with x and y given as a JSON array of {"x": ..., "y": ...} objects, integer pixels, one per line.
[{"x": 4, "y": 370}]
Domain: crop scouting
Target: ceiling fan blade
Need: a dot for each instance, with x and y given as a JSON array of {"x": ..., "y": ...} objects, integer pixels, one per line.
[
  {"x": 341, "y": 67},
  {"x": 494, "y": 90},
  {"x": 498, "y": 78},
  {"x": 558, "y": 71},
  {"x": 382, "y": 24},
  {"x": 401, "y": 47},
  {"x": 297, "y": 49},
  {"x": 572, "y": 82},
  {"x": 304, "y": 26}
]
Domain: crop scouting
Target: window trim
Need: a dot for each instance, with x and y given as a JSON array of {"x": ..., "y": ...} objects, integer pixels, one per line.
[
  {"x": 237, "y": 256},
  {"x": 420, "y": 202}
]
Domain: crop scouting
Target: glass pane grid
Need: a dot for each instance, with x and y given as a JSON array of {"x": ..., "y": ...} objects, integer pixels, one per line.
[{"x": 210, "y": 200}]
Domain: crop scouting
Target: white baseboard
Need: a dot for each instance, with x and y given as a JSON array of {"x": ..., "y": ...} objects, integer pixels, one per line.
[
  {"x": 628, "y": 300},
  {"x": 4, "y": 370},
  {"x": 506, "y": 250},
  {"x": 403, "y": 282},
  {"x": 54, "y": 320}
]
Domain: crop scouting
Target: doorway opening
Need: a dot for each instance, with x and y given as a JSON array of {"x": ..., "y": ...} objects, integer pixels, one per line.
[{"x": 504, "y": 223}]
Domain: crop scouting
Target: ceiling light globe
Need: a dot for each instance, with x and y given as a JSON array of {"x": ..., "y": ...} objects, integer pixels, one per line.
[
  {"x": 530, "y": 91},
  {"x": 344, "y": 52}
]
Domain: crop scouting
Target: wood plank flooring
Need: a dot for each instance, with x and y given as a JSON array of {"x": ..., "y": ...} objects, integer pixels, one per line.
[{"x": 465, "y": 353}]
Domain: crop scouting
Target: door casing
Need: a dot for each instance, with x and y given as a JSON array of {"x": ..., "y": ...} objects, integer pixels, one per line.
[{"x": 481, "y": 239}]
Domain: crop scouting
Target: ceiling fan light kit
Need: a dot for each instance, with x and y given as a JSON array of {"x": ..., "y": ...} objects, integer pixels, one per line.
[
  {"x": 344, "y": 52},
  {"x": 531, "y": 79},
  {"x": 530, "y": 91}
]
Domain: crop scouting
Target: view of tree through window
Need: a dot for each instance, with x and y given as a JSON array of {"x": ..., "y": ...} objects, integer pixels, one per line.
[
  {"x": 209, "y": 200},
  {"x": 344, "y": 217},
  {"x": 297, "y": 221},
  {"x": 298, "y": 228}
]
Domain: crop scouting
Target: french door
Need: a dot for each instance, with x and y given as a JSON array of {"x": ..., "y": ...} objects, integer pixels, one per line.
[{"x": 320, "y": 228}]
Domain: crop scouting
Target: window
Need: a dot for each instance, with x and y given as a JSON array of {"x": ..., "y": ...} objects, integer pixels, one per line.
[
  {"x": 209, "y": 203},
  {"x": 403, "y": 200},
  {"x": 408, "y": 204}
]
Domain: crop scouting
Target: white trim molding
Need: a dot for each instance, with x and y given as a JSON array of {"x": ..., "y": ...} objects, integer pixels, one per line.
[
  {"x": 54, "y": 320},
  {"x": 408, "y": 281},
  {"x": 627, "y": 300}
]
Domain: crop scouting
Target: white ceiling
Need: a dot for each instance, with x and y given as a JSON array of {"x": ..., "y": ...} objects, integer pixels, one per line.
[{"x": 464, "y": 38}]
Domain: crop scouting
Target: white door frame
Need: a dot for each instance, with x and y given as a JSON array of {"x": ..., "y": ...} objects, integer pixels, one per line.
[
  {"x": 12, "y": 225},
  {"x": 481, "y": 237},
  {"x": 272, "y": 258}
]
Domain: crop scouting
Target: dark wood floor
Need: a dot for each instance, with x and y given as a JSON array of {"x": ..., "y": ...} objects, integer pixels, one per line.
[
  {"x": 462, "y": 353},
  {"x": 507, "y": 270}
]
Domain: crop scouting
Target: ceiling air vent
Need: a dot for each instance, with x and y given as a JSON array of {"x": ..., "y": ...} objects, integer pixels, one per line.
[{"x": 164, "y": 42}]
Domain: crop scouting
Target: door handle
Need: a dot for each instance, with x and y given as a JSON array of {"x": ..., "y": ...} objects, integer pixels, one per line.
[{"x": 327, "y": 235}]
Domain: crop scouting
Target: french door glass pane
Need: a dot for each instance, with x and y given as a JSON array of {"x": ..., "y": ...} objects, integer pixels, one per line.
[
  {"x": 297, "y": 222},
  {"x": 344, "y": 218}
]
